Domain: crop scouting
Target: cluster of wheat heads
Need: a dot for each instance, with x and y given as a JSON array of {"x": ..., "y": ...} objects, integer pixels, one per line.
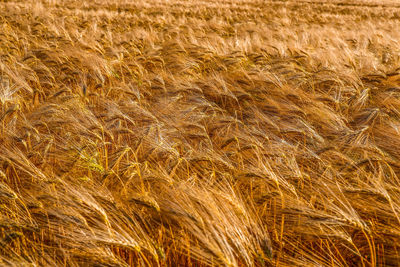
[{"x": 199, "y": 133}]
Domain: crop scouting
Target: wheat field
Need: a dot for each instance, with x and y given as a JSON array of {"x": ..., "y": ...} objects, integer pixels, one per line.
[{"x": 199, "y": 133}]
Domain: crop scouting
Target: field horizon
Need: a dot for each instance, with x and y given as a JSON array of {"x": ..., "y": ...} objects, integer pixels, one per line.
[{"x": 199, "y": 133}]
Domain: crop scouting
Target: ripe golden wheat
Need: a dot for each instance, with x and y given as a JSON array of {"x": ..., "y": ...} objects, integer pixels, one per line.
[{"x": 199, "y": 133}]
